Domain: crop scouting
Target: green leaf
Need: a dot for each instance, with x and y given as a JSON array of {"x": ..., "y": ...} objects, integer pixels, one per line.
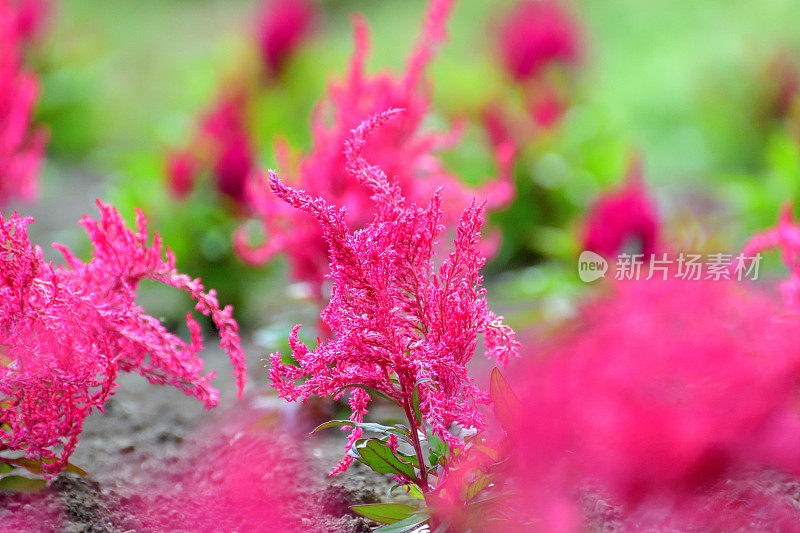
[
  {"x": 439, "y": 448},
  {"x": 415, "y": 492},
  {"x": 410, "y": 490},
  {"x": 385, "y": 513},
  {"x": 506, "y": 403},
  {"x": 402, "y": 526},
  {"x": 35, "y": 467},
  {"x": 398, "y": 431},
  {"x": 415, "y": 397},
  {"x": 378, "y": 456},
  {"x": 478, "y": 486},
  {"x": 21, "y": 484}
]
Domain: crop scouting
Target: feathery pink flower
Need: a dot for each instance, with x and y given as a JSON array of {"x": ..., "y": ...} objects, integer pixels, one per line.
[
  {"x": 21, "y": 148},
  {"x": 65, "y": 332},
  {"x": 222, "y": 146},
  {"x": 283, "y": 26},
  {"x": 785, "y": 236},
  {"x": 405, "y": 151},
  {"x": 662, "y": 390},
  {"x": 535, "y": 34},
  {"x": 393, "y": 314},
  {"x": 618, "y": 217}
]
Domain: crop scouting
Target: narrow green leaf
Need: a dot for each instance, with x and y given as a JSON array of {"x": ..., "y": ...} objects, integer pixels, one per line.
[
  {"x": 438, "y": 445},
  {"x": 415, "y": 492},
  {"x": 403, "y": 526},
  {"x": 366, "y": 426},
  {"x": 385, "y": 513},
  {"x": 415, "y": 397},
  {"x": 478, "y": 486},
  {"x": 381, "y": 459},
  {"x": 410, "y": 490},
  {"x": 506, "y": 403},
  {"x": 21, "y": 484},
  {"x": 35, "y": 467}
]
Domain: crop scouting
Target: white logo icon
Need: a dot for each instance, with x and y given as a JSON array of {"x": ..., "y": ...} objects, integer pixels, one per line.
[{"x": 591, "y": 266}]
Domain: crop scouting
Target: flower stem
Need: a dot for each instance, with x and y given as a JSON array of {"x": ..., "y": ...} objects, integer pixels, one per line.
[{"x": 412, "y": 421}]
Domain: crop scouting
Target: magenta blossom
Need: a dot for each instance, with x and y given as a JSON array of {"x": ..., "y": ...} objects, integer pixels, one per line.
[
  {"x": 65, "y": 332},
  {"x": 181, "y": 169},
  {"x": 786, "y": 237},
  {"x": 31, "y": 16},
  {"x": 222, "y": 147},
  {"x": 402, "y": 148},
  {"x": 619, "y": 217},
  {"x": 21, "y": 148},
  {"x": 396, "y": 319},
  {"x": 661, "y": 392},
  {"x": 535, "y": 34},
  {"x": 282, "y": 26}
]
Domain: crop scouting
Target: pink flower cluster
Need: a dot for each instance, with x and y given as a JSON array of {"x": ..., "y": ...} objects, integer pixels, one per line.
[
  {"x": 786, "y": 237},
  {"x": 533, "y": 37},
  {"x": 65, "y": 332},
  {"x": 402, "y": 148},
  {"x": 535, "y": 34},
  {"x": 282, "y": 26},
  {"x": 661, "y": 392},
  {"x": 20, "y": 149},
  {"x": 222, "y": 146},
  {"x": 396, "y": 319},
  {"x": 621, "y": 216}
]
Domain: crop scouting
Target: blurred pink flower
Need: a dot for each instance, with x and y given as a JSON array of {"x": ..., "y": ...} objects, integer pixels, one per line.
[
  {"x": 618, "y": 217},
  {"x": 225, "y": 127},
  {"x": 282, "y": 26},
  {"x": 785, "y": 236},
  {"x": 65, "y": 331},
  {"x": 222, "y": 147},
  {"x": 535, "y": 34},
  {"x": 21, "y": 147},
  {"x": 391, "y": 311},
  {"x": 405, "y": 151},
  {"x": 661, "y": 393},
  {"x": 181, "y": 169},
  {"x": 31, "y": 16},
  {"x": 250, "y": 478}
]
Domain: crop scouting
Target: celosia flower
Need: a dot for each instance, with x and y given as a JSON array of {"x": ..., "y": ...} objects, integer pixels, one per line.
[
  {"x": 20, "y": 149},
  {"x": 225, "y": 128},
  {"x": 535, "y": 34},
  {"x": 246, "y": 481},
  {"x": 786, "y": 237},
  {"x": 222, "y": 147},
  {"x": 181, "y": 169},
  {"x": 402, "y": 148},
  {"x": 31, "y": 15},
  {"x": 65, "y": 331},
  {"x": 282, "y": 27},
  {"x": 660, "y": 391},
  {"x": 393, "y": 314},
  {"x": 619, "y": 217}
]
